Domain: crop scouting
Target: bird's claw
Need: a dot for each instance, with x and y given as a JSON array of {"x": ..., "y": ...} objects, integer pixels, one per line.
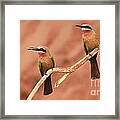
[{"x": 90, "y": 55}]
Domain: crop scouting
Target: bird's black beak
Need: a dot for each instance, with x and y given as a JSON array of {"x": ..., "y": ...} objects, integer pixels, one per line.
[
  {"x": 32, "y": 49},
  {"x": 77, "y": 25}
]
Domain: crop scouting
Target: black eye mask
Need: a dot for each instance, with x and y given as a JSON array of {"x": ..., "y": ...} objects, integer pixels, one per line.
[
  {"x": 86, "y": 27},
  {"x": 37, "y": 49},
  {"x": 41, "y": 49}
]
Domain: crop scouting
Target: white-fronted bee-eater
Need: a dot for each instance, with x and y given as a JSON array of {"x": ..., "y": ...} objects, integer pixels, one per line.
[
  {"x": 91, "y": 41},
  {"x": 46, "y": 62}
]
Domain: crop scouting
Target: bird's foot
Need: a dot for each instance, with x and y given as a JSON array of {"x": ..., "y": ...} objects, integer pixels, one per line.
[{"x": 90, "y": 55}]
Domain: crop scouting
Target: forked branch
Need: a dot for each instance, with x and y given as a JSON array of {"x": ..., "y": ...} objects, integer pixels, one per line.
[{"x": 76, "y": 66}]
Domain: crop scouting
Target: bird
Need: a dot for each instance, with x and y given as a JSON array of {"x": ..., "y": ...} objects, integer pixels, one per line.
[
  {"x": 90, "y": 41},
  {"x": 45, "y": 62}
]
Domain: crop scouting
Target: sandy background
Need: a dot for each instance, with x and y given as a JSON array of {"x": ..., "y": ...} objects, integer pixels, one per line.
[{"x": 64, "y": 41}]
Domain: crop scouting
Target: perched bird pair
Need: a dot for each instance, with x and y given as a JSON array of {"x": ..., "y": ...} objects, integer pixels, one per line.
[{"x": 46, "y": 61}]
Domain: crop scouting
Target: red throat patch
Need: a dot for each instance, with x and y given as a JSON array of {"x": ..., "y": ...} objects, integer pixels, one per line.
[
  {"x": 85, "y": 31},
  {"x": 40, "y": 54}
]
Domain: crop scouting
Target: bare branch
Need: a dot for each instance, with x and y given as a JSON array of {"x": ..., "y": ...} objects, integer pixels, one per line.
[
  {"x": 67, "y": 70},
  {"x": 76, "y": 66}
]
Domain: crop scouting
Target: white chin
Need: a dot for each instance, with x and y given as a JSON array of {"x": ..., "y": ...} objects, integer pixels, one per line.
[
  {"x": 85, "y": 29},
  {"x": 40, "y": 52}
]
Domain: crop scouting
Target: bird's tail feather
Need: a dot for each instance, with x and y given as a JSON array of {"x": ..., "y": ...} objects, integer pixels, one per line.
[
  {"x": 48, "y": 86},
  {"x": 95, "y": 74}
]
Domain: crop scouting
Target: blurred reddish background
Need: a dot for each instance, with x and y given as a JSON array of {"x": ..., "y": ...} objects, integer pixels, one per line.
[{"x": 64, "y": 41}]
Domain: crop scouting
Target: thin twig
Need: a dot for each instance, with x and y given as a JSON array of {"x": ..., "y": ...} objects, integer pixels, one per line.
[{"x": 67, "y": 70}]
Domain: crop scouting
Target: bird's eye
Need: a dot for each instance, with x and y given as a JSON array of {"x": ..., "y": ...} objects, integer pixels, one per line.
[{"x": 41, "y": 49}]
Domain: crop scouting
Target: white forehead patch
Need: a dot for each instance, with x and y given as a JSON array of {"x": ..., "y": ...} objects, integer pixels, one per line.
[
  {"x": 85, "y": 25},
  {"x": 44, "y": 47},
  {"x": 39, "y": 47}
]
